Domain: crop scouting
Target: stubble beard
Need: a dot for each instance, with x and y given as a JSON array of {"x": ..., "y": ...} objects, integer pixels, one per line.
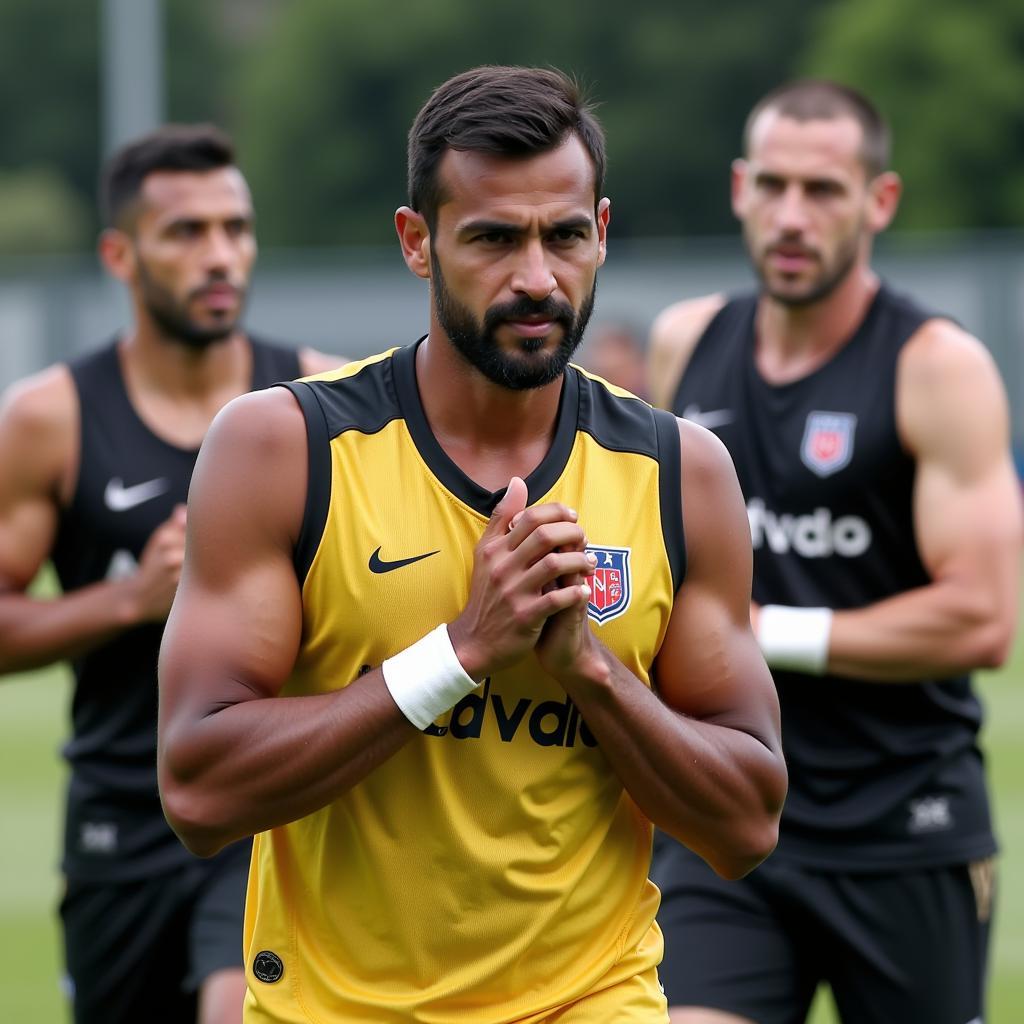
[
  {"x": 829, "y": 278},
  {"x": 172, "y": 317},
  {"x": 475, "y": 341}
]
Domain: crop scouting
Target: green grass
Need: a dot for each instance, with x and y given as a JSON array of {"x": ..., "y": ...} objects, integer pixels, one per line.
[{"x": 33, "y": 713}]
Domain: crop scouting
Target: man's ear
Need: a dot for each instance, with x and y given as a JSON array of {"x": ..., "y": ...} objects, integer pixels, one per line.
[
  {"x": 884, "y": 199},
  {"x": 116, "y": 253},
  {"x": 738, "y": 177},
  {"x": 414, "y": 237},
  {"x": 604, "y": 214}
]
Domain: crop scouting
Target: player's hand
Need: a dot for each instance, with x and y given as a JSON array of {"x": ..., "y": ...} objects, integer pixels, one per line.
[
  {"x": 518, "y": 581},
  {"x": 156, "y": 580},
  {"x": 567, "y": 646}
]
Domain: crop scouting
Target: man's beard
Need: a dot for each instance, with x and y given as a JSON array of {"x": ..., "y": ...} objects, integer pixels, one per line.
[
  {"x": 477, "y": 343},
  {"x": 173, "y": 319},
  {"x": 831, "y": 276}
]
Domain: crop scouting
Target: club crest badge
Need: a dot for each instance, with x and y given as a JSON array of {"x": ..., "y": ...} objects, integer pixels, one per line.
[
  {"x": 827, "y": 446},
  {"x": 610, "y": 584}
]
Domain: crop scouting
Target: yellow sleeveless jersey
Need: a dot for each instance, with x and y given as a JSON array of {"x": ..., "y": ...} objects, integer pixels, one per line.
[{"x": 494, "y": 869}]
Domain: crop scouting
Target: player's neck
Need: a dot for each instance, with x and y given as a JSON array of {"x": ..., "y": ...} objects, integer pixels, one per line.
[
  {"x": 491, "y": 433},
  {"x": 793, "y": 341},
  {"x": 156, "y": 362}
]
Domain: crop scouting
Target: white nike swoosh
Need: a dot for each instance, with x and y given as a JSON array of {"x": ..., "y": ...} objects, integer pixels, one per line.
[
  {"x": 119, "y": 498},
  {"x": 710, "y": 419}
]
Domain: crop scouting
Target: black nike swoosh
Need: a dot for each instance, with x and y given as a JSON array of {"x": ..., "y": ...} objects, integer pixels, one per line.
[{"x": 377, "y": 564}]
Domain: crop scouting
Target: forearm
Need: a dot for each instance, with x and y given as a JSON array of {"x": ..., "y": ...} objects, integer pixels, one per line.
[
  {"x": 934, "y": 631},
  {"x": 258, "y": 764},
  {"x": 716, "y": 788},
  {"x": 35, "y": 632}
]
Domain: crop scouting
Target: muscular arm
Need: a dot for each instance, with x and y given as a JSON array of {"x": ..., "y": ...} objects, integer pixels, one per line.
[
  {"x": 38, "y": 441},
  {"x": 952, "y": 415},
  {"x": 674, "y": 335},
  {"x": 234, "y": 757},
  {"x": 703, "y": 760}
]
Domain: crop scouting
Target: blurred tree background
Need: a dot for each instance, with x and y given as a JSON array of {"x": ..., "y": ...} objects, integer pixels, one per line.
[{"x": 320, "y": 93}]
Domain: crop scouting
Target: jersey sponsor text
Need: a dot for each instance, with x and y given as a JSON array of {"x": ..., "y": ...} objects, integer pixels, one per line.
[
  {"x": 815, "y": 535},
  {"x": 550, "y": 723}
]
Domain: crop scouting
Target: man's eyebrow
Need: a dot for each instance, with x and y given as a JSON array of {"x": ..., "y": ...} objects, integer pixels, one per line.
[
  {"x": 487, "y": 227},
  {"x": 484, "y": 227},
  {"x": 573, "y": 223},
  {"x": 765, "y": 176}
]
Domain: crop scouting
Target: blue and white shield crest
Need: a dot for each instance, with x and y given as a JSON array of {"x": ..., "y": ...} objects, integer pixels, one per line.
[
  {"x": 827, "y": 446},
  {"x": 610, "y": 584}
]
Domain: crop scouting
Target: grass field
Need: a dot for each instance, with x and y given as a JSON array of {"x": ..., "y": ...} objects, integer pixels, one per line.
[{"x": 33, "y": 713}]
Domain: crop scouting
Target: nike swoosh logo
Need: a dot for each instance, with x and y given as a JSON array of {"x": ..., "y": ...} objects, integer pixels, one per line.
[
  {"x": 377, "y": 564},
  {"x": 710, "y": 419},
  {"x": 119, "y": 498}
]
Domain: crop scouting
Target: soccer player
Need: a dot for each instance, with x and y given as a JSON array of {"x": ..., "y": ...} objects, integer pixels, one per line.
[
  {"x": 460, "y": 655},
  {"x": 871, "y": 441},
  {"x": 95, "y": 462}
]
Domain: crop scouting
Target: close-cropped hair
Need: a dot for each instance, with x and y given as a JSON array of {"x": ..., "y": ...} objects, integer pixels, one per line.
[
  {"x": 504, "y": 111},
  {"x": 172, "y": 147},
  {"x": 816, "y": 99}
]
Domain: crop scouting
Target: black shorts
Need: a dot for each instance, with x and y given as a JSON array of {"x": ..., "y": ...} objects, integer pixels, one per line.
[
  {"x": 139, "y": 951},
  {"x": 908, "y": 947}
]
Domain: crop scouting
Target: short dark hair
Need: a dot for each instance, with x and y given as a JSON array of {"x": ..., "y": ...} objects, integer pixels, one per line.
[
  {"x": 506, "y": 111},
  {"x": 172, "y": 147},
  {"x": 813, "y": 99}
]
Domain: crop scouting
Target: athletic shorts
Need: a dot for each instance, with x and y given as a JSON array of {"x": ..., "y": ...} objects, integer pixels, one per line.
[
  {"x": 139, "y": 951},
  {"x": 908, "y": 946}
]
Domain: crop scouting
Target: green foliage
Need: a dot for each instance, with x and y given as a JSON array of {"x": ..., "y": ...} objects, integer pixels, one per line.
[
  {"x": 327, "y": 95},
  {"x": 50, "y": 105},
  {"x": 950, "y": 77},
  {"x": 39, "y": 212},
  {"x": 49, "y": 88},
  {"x": 321, "y": 93}
]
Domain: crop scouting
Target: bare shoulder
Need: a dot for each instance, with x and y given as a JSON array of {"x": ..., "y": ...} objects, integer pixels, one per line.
[
  {"x": 674, "y": 335},
  {"x": 716, "y": 527},
  {"x": 266, "y": 423},
  {"x": 312, "y": 361},
  {"x": 39, "y": 423},
  {"x": 45, "y": 401},
  {"x": 254, "y": 462},
  {"x": 940, "y": 348},
  {"x": 950, "y": 398},
  {"x": 705, "y": 459}
]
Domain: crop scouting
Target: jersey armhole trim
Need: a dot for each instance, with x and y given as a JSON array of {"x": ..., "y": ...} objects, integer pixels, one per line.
[
  {"x": 670, "y": 494},
  {"x": 318, "y": 486}
]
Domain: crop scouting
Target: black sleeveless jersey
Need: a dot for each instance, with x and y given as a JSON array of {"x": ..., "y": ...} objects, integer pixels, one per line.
[
  {"x": 882, "y": 775},
  {"x": 129, "y": 481}
]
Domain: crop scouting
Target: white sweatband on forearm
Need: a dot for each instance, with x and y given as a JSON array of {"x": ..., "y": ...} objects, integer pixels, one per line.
[
  {"x": 427, "y": 678},
  {"x": 796, "y": 639}
]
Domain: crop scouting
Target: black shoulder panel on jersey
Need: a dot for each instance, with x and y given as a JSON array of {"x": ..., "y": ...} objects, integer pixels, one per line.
[
  {"x": 318, "y": 489},
  {"x": 617, "y": 424},
  {"x": 671, "y": 494},
  {"x": 365, "y": 401}
]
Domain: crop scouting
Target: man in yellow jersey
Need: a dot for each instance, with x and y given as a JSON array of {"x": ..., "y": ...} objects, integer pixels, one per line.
[{"x": 440, "y": 640}]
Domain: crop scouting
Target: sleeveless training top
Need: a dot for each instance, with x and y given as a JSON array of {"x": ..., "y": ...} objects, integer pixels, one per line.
[
  {"x": 129, "y": 481},
  {"x": 882, "y": 776},
  {"x": 493, "y": 869}
]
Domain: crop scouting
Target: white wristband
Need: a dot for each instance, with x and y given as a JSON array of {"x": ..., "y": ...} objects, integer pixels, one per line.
[
  {"x": 427, "y": 678},
  {"x": 795, "y": 638}
]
